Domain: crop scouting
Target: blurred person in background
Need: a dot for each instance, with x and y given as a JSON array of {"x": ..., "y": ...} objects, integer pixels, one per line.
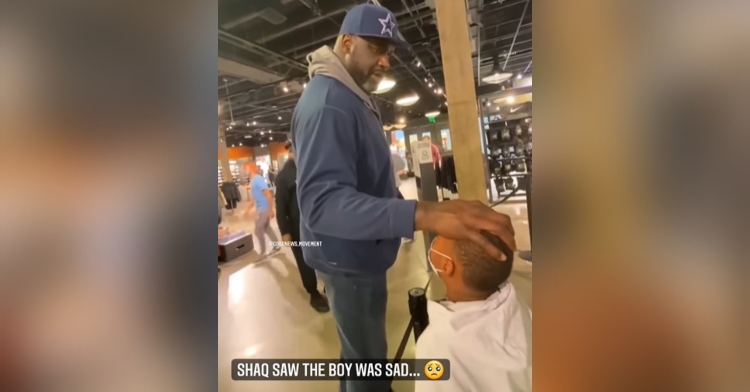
[
  {"x": 288, "y": 218},
  {"x": 347, "y": 195},
  {"x": 481, "y": 326},
  {"x": 264, "y": 209},
  {"x": 436, "y": 160}
]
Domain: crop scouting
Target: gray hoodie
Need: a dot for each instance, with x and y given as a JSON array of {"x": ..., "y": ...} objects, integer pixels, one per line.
[{"x": 325, "y": 62}]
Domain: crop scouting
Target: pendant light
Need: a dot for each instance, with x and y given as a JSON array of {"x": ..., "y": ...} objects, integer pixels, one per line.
[
  {"x": 408, "y": 100},
  {"x": 497, "y": 75},
  {"x": 384, "y": 86}
]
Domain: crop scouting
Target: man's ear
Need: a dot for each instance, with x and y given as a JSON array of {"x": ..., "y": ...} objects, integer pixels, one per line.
[
  {"x": 347, "y": 43},
  {"x": 449, "y": 267}
]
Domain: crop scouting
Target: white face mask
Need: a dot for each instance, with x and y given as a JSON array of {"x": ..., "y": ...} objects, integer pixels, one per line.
[{"x": 429, "y": 257}]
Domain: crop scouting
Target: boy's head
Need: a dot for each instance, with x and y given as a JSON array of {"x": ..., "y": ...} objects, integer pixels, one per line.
[{"x": 467, "y": 271}]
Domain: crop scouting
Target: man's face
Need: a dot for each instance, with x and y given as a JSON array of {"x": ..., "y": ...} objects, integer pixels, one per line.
[
  {"x": 367, "y": 60},
  {"x": 426, "y": 138}
]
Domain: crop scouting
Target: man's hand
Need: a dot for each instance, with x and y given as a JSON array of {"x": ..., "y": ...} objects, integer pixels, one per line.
[
  {"x": 286, "y": 238},
  {"x": 463, "y": 220}
]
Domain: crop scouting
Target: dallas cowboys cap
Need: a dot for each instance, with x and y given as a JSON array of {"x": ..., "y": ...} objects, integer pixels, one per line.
[{"x": 370, "y": 20}]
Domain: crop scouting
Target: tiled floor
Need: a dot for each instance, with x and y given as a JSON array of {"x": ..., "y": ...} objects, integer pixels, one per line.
[{"x": 264, "y": 311}]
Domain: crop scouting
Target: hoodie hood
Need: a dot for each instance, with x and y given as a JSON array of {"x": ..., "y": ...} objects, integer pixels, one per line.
[
  {"x": 499, "y": 327},
  {"x": 324, "y": 62}
]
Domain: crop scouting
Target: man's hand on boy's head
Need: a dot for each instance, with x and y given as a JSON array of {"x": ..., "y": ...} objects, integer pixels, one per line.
[{"x": 464, "y": 220}]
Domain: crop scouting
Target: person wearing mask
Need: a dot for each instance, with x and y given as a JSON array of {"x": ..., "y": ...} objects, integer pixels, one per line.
[
  {"x": 264, "y": 209},
  {"x": 481, "y": 327},
  {"x": 288, "y": 218},
  {"x": 347, "y": 196}
]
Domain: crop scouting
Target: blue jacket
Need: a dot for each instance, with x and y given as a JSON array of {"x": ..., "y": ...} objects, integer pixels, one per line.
[{"x": 345, "y": 186}]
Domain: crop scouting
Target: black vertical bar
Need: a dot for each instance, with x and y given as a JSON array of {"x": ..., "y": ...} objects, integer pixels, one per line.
[
  {"x": 528, "y": 202},
  {"x": 418, "y": 310}
]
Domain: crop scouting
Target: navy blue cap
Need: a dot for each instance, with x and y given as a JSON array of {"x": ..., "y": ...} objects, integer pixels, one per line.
[{"x": 370, "y": 20}]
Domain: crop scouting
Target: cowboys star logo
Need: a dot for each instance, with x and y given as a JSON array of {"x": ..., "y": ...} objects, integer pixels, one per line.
[{"x": 388, "y": 25}]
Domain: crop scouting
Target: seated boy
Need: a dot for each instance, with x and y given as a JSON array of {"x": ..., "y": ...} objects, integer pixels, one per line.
[{"x": 481, "y": 327}]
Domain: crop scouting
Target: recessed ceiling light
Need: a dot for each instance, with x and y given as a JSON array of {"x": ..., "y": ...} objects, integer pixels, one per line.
[
  {"x": 520, "y": 76},
  {"x": 384, "y": 86},
  {"x": 408, "y": 100},
  {"x": 497, "y": 107},
  {"x": 240, "y": 144},
  {"x": 429, "y": 84},
  {"x": 439, "y": 90},
  {"x": 286, "y": 89},
  {"x": 419, "y": 64},
  {"x": 232, "y": 145},
  {"x": 401, "y": 120},
  {"x": 247, "y": 124},
  {"x": 511, "y": 100},
  {"x": 255, "y": 123},
  {"x": 279, "y": 117},
  {"x": 271, "y": 138},
  {"x": 248, "y": 136},
  {"x": 261, "y": 132}
]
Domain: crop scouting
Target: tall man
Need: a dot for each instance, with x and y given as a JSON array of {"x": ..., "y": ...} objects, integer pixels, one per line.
[
  {"x": 264, "y": 208},
  {"x": 347, "y": 196},
  {"x": 287, "y": 216}
]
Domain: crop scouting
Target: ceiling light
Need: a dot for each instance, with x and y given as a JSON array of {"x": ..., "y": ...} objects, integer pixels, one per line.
[
  {"x": 240, "y": 144},
  {"x": 279, "y": 117},
  {"x": 432, "y": 114},
  {"x": 497, "y": 107},
  {"x": 419, "y": 64},
  {"x": 489, "y": 103},
  {"x": 429, "y": 84},
  {"x": 497, "y": 75},
  {"x": 261, "y": 132},
  {"x": 439, "y": 90},
  {"x": 384, "y": 86},
  {"x": 247, "y": 124},
  {"x": 233, "y": 145},
  {"x": 248, "y": 136},
  {"x": 304, "y": 85},
  {"x": 255, "y": 123},
  {"x": 401, "y": 120},
  {"x": 520, "y": 76},
  {"x": 408, "y": 100},
  {"x": 271, "y": 138},
  {"x": 511, "y": 100},
  {"x": 286, "y": 89}
]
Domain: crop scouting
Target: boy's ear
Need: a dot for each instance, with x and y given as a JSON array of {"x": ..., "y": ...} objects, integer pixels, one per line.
[{"x": 449, "y": 268}]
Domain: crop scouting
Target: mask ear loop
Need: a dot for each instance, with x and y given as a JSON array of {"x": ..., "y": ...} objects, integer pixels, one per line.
[{"x": 429, "y": 256}]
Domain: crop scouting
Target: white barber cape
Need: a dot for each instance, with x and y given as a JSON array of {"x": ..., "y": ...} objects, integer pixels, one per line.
[{"x": 488, "y": 344}]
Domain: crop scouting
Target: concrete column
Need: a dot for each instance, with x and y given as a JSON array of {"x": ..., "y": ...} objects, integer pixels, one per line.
[
  {"x": 226, "y": 171},
  {"x": 462, "y": 99}
]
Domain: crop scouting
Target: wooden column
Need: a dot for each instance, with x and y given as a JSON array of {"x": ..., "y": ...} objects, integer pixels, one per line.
[{"x": 455, "y": 45}]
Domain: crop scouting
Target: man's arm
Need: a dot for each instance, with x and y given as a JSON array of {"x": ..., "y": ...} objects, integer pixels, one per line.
[
  {"x": 327, "y": 148},
  {"x": 269, "y": 196},
  {"x": 283, "y": 204}
]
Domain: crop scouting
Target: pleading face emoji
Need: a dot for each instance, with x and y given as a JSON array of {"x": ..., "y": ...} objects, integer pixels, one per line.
[{"x": 434, "y": 370}]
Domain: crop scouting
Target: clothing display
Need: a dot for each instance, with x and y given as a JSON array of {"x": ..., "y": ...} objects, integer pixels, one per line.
[
  {"x": 231, "y": 194},
  {"x": 446, "y": 174}
]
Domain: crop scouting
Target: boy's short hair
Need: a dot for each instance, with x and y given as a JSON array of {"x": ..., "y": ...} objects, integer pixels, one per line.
[{"x": 481, "y": 271}]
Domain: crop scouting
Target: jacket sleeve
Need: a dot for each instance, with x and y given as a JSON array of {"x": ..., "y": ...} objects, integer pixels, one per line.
[
  {"x": 283, "y": 204},
  {"x": 327, "y": 151}
]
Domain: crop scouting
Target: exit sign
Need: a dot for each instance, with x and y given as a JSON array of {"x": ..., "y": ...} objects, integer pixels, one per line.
[{"x": 432, "y": 120}]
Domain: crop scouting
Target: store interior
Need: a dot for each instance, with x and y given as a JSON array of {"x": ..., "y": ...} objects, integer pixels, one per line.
[{"x": 263, "y": 310}]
